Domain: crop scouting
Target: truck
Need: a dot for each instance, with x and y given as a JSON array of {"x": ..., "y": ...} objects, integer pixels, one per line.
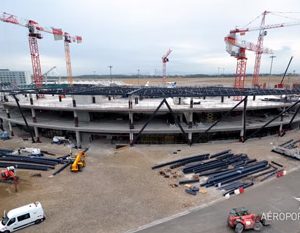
[{"x": 22, "y": 217}]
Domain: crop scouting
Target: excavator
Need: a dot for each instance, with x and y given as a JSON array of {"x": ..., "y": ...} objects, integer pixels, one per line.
[
  {"x": 8, "y": 176},
  {"x": 79, "y": 161}
]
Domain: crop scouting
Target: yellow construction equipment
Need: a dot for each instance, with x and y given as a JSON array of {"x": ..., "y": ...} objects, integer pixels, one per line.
[{"x": 79, "y": 161}]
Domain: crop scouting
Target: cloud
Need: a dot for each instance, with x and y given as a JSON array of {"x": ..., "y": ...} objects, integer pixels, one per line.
[{"x": 134, "y": 34}]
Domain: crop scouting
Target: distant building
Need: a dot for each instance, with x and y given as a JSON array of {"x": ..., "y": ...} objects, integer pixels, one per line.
[{"x": 14, "y": 78}]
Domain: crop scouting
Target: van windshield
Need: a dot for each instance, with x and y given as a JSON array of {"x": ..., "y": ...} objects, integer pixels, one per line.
[{"x": 4, "y": 220}]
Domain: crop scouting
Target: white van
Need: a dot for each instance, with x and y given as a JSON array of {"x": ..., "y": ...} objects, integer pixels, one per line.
[{"x": 22, "y": 217}]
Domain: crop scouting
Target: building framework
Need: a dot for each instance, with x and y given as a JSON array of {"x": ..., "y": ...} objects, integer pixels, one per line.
[{"x": 135, "y": 114}]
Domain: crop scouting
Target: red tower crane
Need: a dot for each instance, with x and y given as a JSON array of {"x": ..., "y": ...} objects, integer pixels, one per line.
[
  {"x": 34, "y": 34},
  {"x": 238, "y": 49},
  {"x": 165, "y": 60},
  {"x": 259, "y": 46}
]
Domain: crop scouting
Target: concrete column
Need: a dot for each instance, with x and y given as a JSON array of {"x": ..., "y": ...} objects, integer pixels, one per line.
[
  {"x": 190, "y": 120},
  {"x": 7, "y": 113},
  {"x": 36, "y": 133},
  {"x": 243, "y": 128},
  {"x": 76, "y": 121},
  {"x": 78, "y": 141},
  {"x": 191, "y": 103},
  {"x": 130, "y": 138},
  {"x": 130, "y": 103},
  {"x": 74, "y": 102},
  {"x": 190, "y": 137},
  {"x": 131, "y": 125},
  {"x": 10, "y": 128},
  {"x": 93, "y": 99},
  {"x": 33, "y": 115},
  {"x": 30, "y": 99},
  {"x": 281, "y": 131}
]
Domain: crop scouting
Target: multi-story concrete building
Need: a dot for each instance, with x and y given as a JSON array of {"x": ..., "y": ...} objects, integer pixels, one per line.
[{"x": 14, "y": 78}]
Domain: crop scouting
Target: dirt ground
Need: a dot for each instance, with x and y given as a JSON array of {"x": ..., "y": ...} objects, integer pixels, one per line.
[
  {"x": 118, "y": 191},
  {"x": 180, "y": 81}
]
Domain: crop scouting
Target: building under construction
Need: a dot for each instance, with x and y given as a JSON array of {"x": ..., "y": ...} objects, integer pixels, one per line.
[{"x": 128, "y": 114}]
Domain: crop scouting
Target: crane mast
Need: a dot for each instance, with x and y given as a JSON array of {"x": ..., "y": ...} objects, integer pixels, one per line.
[
  {"x": 165, "y": 60},
  {"x": 259, "y": 46},
  {"x": 34, "y": 35},
  {"x": 67, "y": 41},
  {"x": 260, "y": 42}
]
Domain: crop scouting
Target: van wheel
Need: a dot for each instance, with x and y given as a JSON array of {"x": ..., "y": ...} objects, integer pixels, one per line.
[
  {"x": 38, "y": 221},
  {"x": 6, "y": 231}
]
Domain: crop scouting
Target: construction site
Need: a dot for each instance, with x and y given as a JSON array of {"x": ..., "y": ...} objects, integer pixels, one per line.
[{"x": 150, "y": 155}]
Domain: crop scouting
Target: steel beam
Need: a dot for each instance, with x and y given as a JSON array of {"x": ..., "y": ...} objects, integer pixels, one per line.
[
  {"x": 273, "y": 119},
  {"x": 225, "y": 115},
  {"x": 24, "y": 118}
]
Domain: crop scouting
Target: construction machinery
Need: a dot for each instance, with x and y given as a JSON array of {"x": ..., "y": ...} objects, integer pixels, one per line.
[
  {"x": 280, "y": 85},
  {"x": 34, "y": 35},
  {"x": 238, "y": 49},
  {"x": 8, "y": 176},
  {"x": 79, "y": 161},
  {"x": 259, "y": 46},
  {"x": 241, "y": 219},
  {"x": 165, "y": 60}
]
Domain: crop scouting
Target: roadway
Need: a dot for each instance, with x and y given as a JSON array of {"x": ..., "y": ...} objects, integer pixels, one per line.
[{"x": 276, "y": 195}]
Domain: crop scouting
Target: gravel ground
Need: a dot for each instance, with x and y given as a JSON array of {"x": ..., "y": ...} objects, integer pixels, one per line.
[{"x": 118, "y": 191}]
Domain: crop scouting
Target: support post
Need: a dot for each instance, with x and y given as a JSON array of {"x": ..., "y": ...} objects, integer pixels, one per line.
[
  {"x": 74, "y": 102},
  {"x": 76, "y": 121},
  {"x": 78, "y": 141},
  {"x": 36, "y": 132},
  {"x": 131, "y": 125},
  {"x": 93, "y": 99},
  {"x": 30, "y": 99},
  {"x": 33, "y": 115},
  {"x": 244, "y": 116},
  {"x": 190, "y": 124},
  {"x": 191, "y": 103},
  {"x": 222, "y": 99}
]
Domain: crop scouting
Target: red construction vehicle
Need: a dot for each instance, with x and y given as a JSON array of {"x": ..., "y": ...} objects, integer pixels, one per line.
[
  {"x": 241, "y": 219},
  {"x": 9, "y": 176}
]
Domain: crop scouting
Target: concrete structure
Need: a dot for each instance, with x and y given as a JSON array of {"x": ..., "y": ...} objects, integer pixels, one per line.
[
  {"x": 85, "y": 117},
  {"x": 15, "y": 78}
]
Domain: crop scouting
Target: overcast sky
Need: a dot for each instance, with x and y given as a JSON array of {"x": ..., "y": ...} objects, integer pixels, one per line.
[{"x": 134, "y": 34}]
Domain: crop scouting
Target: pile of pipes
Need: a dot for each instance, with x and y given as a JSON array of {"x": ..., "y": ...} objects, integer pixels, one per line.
[
  {"x": 291, "y": 149},
  {"x": 224, "y": 170},
  {"x": 8, "y": 158}
]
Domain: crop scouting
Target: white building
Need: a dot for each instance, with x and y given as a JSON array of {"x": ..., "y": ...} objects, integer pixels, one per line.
[{"x": 14, "y": 78}]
